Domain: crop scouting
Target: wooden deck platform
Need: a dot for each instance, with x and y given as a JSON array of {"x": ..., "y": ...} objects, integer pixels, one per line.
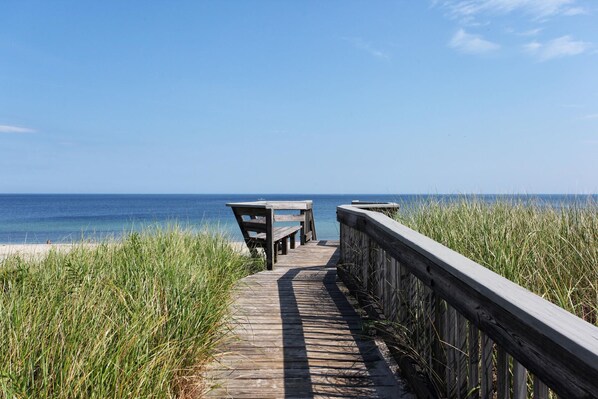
[{"x": 295, "y": 334}]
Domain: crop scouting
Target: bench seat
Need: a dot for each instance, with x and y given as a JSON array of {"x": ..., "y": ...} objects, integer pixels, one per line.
[
  {"x": 279, "y": 233},
  {"x": 280, "y": 237}
]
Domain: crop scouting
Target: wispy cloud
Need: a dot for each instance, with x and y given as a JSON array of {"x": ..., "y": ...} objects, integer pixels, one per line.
[
  {"x": 15, "y": 129},
  {"x": 575, "y": 11},
  {"x": 563, "y": 46},
  {"x": 472, "y": 44},
  {"x": 530, "y": 32},
  {"x": 366, "y": 46},
  {"x": 537, "y": 9},
  {"x": 590, "y": 116}
]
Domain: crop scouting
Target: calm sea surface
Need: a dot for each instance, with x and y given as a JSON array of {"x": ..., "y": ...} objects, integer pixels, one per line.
[{"x": 64, "y": 218}]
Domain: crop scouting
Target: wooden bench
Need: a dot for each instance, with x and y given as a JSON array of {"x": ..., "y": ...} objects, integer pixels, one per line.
[{"x": 256, "y": 221}]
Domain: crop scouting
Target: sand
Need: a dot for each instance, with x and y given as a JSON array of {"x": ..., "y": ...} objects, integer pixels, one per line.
[
  {"x": 37, "y": 251},
  {"x": 33, "y": 250}
]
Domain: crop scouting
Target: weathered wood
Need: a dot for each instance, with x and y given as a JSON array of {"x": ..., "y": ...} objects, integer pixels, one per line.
[
  {"x": 473, "y": 376},
  {"x": 519, "y": 381},
  {"x": 461, "y": 354},
  {"x": 270, "y": 254},
  {"x": 487, "y": 368},
  {"x": 278, "y": 233},
  {"x": 439, "y": 353},
  {"x": 552, "y": 343},
  {"x": 254, "y": 225},
  {"x": 540, "y": 389},
  {"x": 503, "y": 385},
  {"x": 259, "y": 217},
  {"x": 296, "y": 334},
  {"x": 289, "y": 218},
  {"x": 386, "y": 208},
  {"x": 449, "y": 336},
  {"x": 292, "y": 205}
]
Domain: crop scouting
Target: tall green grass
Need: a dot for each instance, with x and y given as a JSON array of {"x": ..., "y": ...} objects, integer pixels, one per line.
[
  {"x": 550, "y": 251},
  {"x": 133, "y": 319}
]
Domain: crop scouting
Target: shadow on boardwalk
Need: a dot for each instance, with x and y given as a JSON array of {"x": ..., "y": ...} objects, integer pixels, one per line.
[{"x": 296, "y": 335}]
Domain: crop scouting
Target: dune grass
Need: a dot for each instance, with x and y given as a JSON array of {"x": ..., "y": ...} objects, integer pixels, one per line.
[
  {"x": 550, "y": 251},
  {"x": 132, "y": 319}
]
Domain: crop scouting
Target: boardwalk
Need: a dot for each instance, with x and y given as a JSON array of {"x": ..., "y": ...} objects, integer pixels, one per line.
[{"x": 296, "y": 335}]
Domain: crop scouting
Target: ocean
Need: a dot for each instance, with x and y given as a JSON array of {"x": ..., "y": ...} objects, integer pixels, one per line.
[{"x": 37, "y": 218}]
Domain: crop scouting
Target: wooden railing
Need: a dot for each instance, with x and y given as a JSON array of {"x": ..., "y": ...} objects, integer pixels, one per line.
[{"x": 477, "y": 334}]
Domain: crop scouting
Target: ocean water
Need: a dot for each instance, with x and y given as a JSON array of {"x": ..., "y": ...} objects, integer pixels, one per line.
[{"x": 26, "y": 218}]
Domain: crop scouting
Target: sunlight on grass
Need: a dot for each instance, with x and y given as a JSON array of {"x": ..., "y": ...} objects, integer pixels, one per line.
[
  {"x": 129, "y": 319},
  {"x": 550, "y": 251}
]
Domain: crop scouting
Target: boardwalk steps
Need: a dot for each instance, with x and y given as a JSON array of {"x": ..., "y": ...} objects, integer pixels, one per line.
[{"x": 295, "y": 334}]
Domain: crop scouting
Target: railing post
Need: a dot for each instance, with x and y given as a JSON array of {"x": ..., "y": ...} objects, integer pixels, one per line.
[{"x": 269, "y": 243}]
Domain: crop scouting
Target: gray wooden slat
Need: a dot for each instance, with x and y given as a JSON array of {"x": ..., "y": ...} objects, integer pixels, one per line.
[
  {"x": 280, "y": 232},
  {"x": 473, "y": 375},
  {"x": 289, "y": 218},
  {"x": 395, "y": 297},
  {"x": 439, "y": 353},
  {"x": 540, "y": 389},
  {"x": 270, "y": 253},
  {"x": 428, "y": 324},
  {"x": 461, "y": 355},
  {"x": 519, "y": 381},
  {"x": 254, "y": 225},
  {"x": 367, "y": 263},
  {"x": 388, "y": 287},
  {"x": 487, "y": 368},
  {"x": 379, "y": 271},
  {"x": 503, "y": 386},
  {"x": 451, "y": 371}
]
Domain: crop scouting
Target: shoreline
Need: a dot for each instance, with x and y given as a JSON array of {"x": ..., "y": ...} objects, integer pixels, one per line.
[{"x": 38, "y": 251}]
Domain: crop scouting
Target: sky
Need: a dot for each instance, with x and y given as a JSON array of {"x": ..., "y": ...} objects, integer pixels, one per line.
[{"x": 389, "y": 97}]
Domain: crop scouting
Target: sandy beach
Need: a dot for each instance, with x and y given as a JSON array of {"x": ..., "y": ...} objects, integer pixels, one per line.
[{"x": 36, "y": 251}]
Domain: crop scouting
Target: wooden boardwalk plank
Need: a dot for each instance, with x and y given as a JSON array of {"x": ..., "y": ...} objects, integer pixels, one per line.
[{"x": 295, "y": 334}]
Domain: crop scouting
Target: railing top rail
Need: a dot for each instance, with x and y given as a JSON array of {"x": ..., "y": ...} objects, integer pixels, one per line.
[{"x": 534, "y": 315}]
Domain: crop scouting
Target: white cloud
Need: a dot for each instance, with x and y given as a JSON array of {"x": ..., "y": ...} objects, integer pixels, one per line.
[
  {"x": 361, "y": 44},
  {"x": 591, "y": 116},
  {"x": 575, "y": 11},
  {"x": 531, "y": 32},
  {"x": 472, "y": 44},
  {"x": 560, "y": 47},
  {"x": 15, "y": 129},
  {"x": 537, "y": 9}
]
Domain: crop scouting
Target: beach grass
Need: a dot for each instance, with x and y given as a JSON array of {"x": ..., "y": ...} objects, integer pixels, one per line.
[
  {"x": 552, "y": 251},
  {"x": 135, "y": 318}
]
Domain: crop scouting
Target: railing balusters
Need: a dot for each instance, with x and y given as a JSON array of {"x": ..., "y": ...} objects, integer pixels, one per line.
[
  {"x": 388, "y": 275},
  {"x": 450, "y": 351},
  {"x": 439, "y": 364},
  {"x": 420, "y": 285},
  {"x": 540, "y": 389},
  {"x": 395, "y": 294},
  {"x": 473, "y": 375},
  {"x": 503, "y": 387},
  {"x": 519, "y": 381},
  {"x": 461, "y": 354},
  {"x": 486, "y": 367}
]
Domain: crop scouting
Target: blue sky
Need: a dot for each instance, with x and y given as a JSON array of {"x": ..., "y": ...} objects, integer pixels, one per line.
[{"x": 445, "y": 96}]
